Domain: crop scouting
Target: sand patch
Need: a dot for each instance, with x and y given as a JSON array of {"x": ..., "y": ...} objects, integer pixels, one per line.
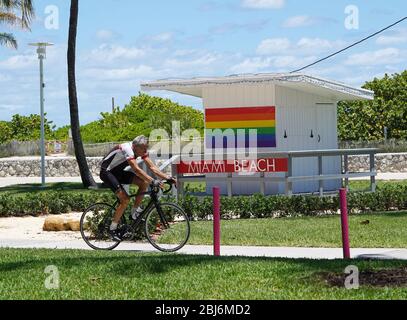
[{"x": 31, "y": 228}]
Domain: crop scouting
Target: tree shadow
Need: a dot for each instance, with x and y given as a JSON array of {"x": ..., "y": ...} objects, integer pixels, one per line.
[
  {"x": 35, "y": 188},
  {"x": 135, "y": 264},
  {"x": 393, "y": 214}
]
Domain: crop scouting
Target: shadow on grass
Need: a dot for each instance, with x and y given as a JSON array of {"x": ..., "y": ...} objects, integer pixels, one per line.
[
  {"x": 36, "y": 188},
  {"x": 393, "y": 214},
  {"x": 137, "y": 265}
]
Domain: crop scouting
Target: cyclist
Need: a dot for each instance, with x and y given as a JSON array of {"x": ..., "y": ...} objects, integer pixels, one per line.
[{"x": 114, "y": 175}]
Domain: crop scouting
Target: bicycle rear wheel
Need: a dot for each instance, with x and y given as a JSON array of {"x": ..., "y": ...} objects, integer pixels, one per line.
[
  {"x": 167, "y": 227},
  {"x": 95, "y": 224}
]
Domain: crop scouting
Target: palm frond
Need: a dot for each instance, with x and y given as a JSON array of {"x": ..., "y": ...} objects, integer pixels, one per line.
[
  {"x": 9, "y": 4},
  {"x": 15, "y": 13},
  {"x": 10, "y": 19},
  {"x": 8, "y": 40},
  {"x": 27, "y": 12},
  {"x": 25, "y": 7}
]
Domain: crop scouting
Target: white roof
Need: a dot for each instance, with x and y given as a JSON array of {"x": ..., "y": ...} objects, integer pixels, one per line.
[{"x": 330, "y": 89}]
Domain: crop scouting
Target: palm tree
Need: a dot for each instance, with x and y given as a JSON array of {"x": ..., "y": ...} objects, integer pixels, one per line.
[
  {"x": 15, "y": 13},
  {"x": 86, "y": 175}
]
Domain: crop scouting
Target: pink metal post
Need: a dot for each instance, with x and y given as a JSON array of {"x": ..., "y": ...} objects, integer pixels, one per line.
[
  {"x": 216, "y": 221},
  {"x": 345, "y": 224}
]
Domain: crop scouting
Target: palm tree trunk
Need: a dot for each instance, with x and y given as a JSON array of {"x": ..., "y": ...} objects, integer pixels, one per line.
[{"x": 86, "y": 175}]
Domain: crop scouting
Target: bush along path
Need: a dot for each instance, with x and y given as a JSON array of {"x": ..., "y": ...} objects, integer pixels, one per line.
[{"x": 57, "y": 201}]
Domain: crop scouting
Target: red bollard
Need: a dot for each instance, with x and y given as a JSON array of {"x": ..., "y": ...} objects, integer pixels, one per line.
[
  {"x": 344, "y": 222},
  {"x": 216, "y": 221}
]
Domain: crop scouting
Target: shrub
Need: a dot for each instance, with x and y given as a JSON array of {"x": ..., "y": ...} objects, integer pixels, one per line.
[{"x": 387, "y": 198}]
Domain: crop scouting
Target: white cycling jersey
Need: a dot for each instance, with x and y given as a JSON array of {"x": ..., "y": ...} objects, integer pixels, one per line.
[{"x": 119, "y": 157}]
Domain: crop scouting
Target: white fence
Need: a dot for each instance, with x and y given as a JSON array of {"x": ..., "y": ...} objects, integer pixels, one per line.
[{"x": 289, "y": 179}]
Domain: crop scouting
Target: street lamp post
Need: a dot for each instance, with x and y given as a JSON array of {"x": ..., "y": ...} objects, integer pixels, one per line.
[{"x": 42, "y": 54}]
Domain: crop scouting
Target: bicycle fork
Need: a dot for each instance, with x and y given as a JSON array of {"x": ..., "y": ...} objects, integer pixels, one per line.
[{"x": 163, "y": 219}]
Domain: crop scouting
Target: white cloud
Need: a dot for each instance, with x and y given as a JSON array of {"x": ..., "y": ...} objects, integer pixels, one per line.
[
  {"x": 163, "y": 37},
  {"x": 273, "y": 45},
  {"x": 232, "y": 27},
  {"x": 379, "y": 57},
  {"x": 105, "y": 35},
  {"x": 19, "y": 62},
  {"x": 299, "y": 21},
  {"x": 4, "y": 77},
  {"x": 108, "y": 53},
  {"x": 184, "y": 52},
  {"x": 252, "y": 65},
  {"x": 263, "y": 4},
  {"x": 394, "y": 38},
  {"x": 100, "y": 74},
  {"x": 271, "y": 64},
  {"x": 303, "y": 46},
  {"x": 11, "y": 107},
  {"x": 318, "y": 44},
  {"x": 205, "y": 60}
]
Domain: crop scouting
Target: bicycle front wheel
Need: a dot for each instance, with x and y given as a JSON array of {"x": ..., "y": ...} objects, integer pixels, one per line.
[
  {"x": 167, "y": 227},
  {"x": 95, "y": 225}
]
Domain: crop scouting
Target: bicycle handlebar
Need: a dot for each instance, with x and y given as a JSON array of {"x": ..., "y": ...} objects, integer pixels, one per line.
[
  {"x": 171, "y": 186},
  {"x": 157, "y": 189}
]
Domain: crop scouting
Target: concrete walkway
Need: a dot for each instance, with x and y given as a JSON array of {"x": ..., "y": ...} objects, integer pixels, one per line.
[{"x": 270, "y": 252}]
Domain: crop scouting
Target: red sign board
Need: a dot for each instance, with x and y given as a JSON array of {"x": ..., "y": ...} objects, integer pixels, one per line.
[{"x": 234, "y": 166}]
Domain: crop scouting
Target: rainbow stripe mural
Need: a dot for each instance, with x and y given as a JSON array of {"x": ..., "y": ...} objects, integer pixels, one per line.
[{"x": 262, "y": 119}]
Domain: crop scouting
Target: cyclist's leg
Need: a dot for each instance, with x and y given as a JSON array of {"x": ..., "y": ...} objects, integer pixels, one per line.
[
  {"x": 113, "y": 182},
  {"x": 124, "y": 202},
  {"x": 142, "y": 187}
]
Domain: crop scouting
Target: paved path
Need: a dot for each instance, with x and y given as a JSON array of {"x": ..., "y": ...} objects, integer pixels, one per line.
[{"x": 271, "y": 252}]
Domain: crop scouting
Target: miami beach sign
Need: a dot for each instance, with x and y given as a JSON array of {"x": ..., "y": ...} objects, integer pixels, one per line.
[{"x": 234, "y": 166}]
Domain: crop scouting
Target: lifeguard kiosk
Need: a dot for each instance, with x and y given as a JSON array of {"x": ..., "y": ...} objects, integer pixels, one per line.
[{"x": 292, "y": 113}]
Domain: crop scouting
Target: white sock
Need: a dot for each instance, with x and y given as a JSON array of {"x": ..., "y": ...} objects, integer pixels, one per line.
[
  {"x": 113, "y": 226},
  {"x": 136, "y": 211}
]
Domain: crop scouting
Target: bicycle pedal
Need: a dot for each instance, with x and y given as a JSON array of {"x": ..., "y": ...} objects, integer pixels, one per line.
[
  {"x": 127, "y": 236},
  {"x": 123, "y": 230}
]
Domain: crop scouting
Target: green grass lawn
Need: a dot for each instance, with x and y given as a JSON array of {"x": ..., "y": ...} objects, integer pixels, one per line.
[
  {"x": 126, "y": 275},
  {"x": 364, "y": 185},
  {"x": 34, "y": 188},
  {"x": 384, "y": 230}
]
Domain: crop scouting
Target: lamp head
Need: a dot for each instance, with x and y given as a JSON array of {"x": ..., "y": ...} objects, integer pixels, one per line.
[{"x": 41, "y": 48}]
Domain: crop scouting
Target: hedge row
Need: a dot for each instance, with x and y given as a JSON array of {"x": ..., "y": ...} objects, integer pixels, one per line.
[
  {"x": 49, "y": 202},
  {"x": 388, "y": 198}
]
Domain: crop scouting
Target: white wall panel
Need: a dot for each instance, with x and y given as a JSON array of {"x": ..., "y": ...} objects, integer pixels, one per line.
[{"x": 298, "y": 113}]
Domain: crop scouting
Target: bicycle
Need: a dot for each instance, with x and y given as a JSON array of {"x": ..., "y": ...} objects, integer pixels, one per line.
[{"x": 166, "y": 225}]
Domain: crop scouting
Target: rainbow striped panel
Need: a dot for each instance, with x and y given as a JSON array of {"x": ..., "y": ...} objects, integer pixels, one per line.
[{"x": 235, "y": 125}]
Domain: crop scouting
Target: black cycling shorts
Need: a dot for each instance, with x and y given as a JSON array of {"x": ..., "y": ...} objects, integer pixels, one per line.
[{"x": 116, "y": 178}]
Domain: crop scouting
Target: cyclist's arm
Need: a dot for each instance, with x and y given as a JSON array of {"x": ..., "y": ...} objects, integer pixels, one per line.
[
  {"x": 154, "y": 169},
  {"x": 140, "y": 172}
]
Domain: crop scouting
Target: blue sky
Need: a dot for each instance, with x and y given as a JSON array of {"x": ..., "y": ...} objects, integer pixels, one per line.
[{"x": 124, "y": 42}]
